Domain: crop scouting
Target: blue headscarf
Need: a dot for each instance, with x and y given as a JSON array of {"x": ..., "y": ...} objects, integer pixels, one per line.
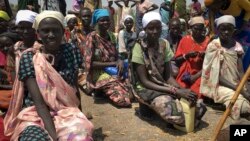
[{"x": 98, "y": 13}]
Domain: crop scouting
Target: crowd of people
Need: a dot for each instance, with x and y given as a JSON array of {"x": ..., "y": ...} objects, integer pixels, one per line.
[{"x": 155, "y": 58}]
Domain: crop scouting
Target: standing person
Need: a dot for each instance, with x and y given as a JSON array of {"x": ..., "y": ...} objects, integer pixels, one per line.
[
  {"x": 241, "y": 11},
  {"x": 112, "y": 14},
  {"x": 28, "y": 4},
  {"x": 180, "y": 8},
  {"x": 126, "y": 9},
  {"x": 70, "y": 30},
  {"x": 189, "y": 56},
  {"x": 125, "y": 36},
  {"x": 166, "y": 11},
  {"x": 143, "y": 7},
  {"x": 54, "y": 5},
  {"x": 101, "y": 53},
  {"x": 222, "y": 69},
  {"x": 4, "y": 19},
  {"x": 81, "y": 36},
  {"x": 195, "y": 8},
  {"x": 47, "y": 107},
  {"x": 5, "y": 6},
  {"x": 93, "y": 4},
  {"x": 151, "y": 61},
  {"x": 174, "y": 37}
]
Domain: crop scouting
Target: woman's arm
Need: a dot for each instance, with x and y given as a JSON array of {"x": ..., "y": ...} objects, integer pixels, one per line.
[
  {"x": 41, "y": 107},
  {"x": 168, "y": 75},
  {"x": 142, "y": 75},
  {"x": 118, "y": 3},
  {"x": 152, "y": 8},
  {"x": 165, "y": 6},
  {"x": 101, "y": 65},
  {"x": 134, "y": 3}
]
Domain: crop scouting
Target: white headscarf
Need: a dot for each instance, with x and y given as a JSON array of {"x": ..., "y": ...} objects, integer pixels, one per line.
[
  {"x": 48, "y": 14},
  {"x": 150, "y": 16},
  {"x": 196, "y": 20},
  {"x": 225, "y": 19},
  {"x": 127, "y": 17},
  {"x": 25, "y": 15},
  {"x": 68, "y": 17}
]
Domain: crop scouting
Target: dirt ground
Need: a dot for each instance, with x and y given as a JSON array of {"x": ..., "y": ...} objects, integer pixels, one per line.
[{"x": 121, "y": 124}]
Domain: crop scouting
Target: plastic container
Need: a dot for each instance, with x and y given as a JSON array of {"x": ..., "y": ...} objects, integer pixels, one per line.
[
  {"x": 114, "y": 71},
  {"x": 189, "y": 113}
]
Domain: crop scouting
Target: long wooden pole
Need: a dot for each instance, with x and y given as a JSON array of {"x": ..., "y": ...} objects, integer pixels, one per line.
[{"x": 231, "y": 104}]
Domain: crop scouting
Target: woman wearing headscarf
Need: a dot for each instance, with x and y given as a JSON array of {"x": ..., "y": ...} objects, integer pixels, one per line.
[
  {"x": 222, "y": 69},
  {"x": 45, "y": 105},
  {"x": 4, "y": 19},
  {"x": 100, "y": 53},
  {"x": 153, "y": 83},
  {"x": 125, "y": 36},
  {"x": 241, "y": 11},
  {"x": 70, "y": 31},
  {"x": 24, "y": 22},
  {"x": 189, "y": 56}
]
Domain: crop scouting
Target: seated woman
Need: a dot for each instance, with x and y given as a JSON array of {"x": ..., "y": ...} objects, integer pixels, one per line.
[
  {"x": 153, "y": 81},
  {"x": 222, "y": 69},
  {"x": 100, "y": 52},
  {"x": 189, "y": 56},
  {"x": 45, "y": 105},
  {"x": 241, "y": 11}
]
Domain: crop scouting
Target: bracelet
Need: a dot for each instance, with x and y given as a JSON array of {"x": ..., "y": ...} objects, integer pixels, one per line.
[{"x": 173, "y": 90}]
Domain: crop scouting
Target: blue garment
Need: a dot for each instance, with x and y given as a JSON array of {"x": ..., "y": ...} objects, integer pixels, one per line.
[
  {"x": 164, "y": 15},
  {"x": 98, "y": 13}
]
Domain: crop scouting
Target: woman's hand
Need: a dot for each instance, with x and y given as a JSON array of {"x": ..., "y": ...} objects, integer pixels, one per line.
[
  {"x": 192, "y": 54},
  {"x": 120, "y": 67},
  {"x": 194, "y": 77},
  {"x": 188, "y": 95}
]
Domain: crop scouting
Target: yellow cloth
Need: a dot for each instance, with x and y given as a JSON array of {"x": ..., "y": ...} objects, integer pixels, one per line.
[
  {"x": 4, "y": 15},
  {"x": 236, "y": 7}
]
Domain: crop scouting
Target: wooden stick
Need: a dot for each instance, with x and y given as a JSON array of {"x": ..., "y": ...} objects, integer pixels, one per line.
[{"x": 230, "y": 106}]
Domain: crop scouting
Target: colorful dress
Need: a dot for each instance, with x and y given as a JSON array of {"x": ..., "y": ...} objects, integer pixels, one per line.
[
  {"x": 56, "y": 85},
  {"x": 220, "y": 61},
  {"x": 102, "y": 50},
  {"x": 192, "y": 65}
]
